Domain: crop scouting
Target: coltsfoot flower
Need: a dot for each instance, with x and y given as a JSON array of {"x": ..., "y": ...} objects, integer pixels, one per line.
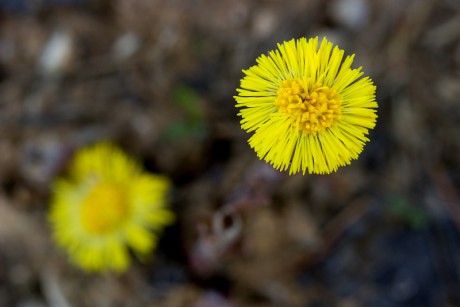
[
  {"x": 106, "y": 206},
  {"x": 309, "y": 110}
]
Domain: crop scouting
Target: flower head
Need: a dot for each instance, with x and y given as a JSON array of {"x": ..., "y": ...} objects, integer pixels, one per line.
[
  {"x": 308, "y": 109},
  {"x": 105, "y": 206}
]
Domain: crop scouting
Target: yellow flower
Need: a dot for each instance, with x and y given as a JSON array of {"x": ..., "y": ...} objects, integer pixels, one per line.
[
  {"x": 308, "y": 109},
  {"x": 105, "y": 206}
]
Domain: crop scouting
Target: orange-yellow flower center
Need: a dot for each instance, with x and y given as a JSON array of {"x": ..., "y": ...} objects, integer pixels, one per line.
[
  {"x": 312, "y": 106},
  {"x": 104, "y": 209}
]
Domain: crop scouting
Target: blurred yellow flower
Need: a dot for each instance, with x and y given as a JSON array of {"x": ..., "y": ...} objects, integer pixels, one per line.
[
  {"x": 308, "y": 109},
  {"x": 105, "y": 206}
]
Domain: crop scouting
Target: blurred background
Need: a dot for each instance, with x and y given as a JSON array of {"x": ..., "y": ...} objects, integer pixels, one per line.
[{"x": 157, "y": 77}]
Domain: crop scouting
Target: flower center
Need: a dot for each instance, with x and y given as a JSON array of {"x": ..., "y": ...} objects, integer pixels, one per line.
[
  {"x": 104, "y": 209},
  {"x": 312, "y": 106}
]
